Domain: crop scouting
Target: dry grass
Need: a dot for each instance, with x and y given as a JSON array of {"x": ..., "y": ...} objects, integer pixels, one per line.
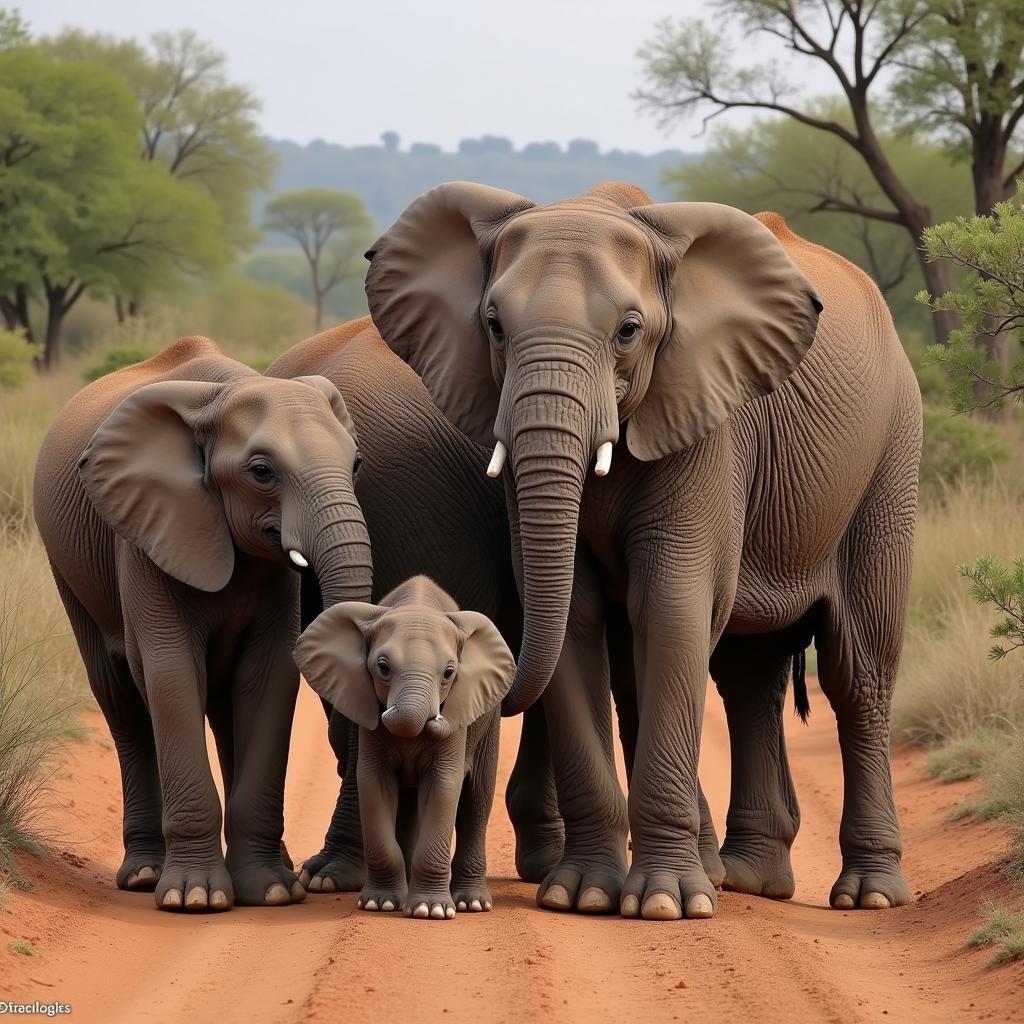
[
  {"x": 948, "y": 687},
  {"x": 1004, "y": 930}
]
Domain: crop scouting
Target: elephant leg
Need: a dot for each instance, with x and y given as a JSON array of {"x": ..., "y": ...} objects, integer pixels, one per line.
[
  {"x": 672, "y": 632},
  {"x": 131, "y": 729},
  {"x": 339, "y": 866},
  {"x": 469, "y": 865},
  {"x": 858, "y": 653},
  {"x": 532, "y": 801},
  {"x": 752, "y": 674},
  {"x": 263, "y": 706},
  {"x": 576, "y": 702},
  {"x": 623, "y": 676}
]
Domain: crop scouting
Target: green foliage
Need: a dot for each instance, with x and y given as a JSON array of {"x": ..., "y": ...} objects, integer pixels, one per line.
[
  {"x": 990, "y": 303},
  {"x": 17, "y": 360},
  {"x": 116, "y": 359},
  {"x": 22, "y": 947},
  {"x": 966, "y": 756},
  {"x": 331, "y": 227},
  {"x": 992, "y": 583},
  {"x": 958, "y": 447},
  {"x": 13, "y": 29},
  {"x": 1004, "y": 929},
  {"x": 192, "y": 121}
]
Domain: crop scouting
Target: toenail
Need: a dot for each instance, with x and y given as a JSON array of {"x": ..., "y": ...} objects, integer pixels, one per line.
[
  {"x": 875, "y": 901},
  {"x": 630, "y": 906},
  {"x": 843, "y": 902},
  {"x": 556, "y": 897},
  {"x": 594, "y": 899},
  {"x": 699, "y": 906},
  {"x": 661, "y": 907},
  {"x": 172, "y": 898},
  {"x": 219, "y": 900}
]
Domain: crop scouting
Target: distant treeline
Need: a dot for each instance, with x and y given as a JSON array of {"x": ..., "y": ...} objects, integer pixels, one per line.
[{"x": 386, "y": 177}]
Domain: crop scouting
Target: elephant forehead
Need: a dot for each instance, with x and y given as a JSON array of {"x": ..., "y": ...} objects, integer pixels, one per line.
[
  {"x": 284, "y": 410},
  {"x": 422, "y": 630}
]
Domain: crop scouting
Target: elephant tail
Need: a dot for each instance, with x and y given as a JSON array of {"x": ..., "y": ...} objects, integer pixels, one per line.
[{"x": 800, "y": 699}]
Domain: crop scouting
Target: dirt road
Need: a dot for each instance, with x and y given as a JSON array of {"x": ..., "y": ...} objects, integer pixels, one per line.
[{"x": 114, "y": 958}]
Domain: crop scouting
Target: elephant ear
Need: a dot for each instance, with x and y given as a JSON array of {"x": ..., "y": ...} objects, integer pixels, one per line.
[
  {"x": 331, "y": 654},
  {"x": 743, "y": 317},
  {"x": 486, "y": 668},
  {"x": 145, "y": 474},
  {"x": 334, "y": 399},
  {"x": 424, "y": 288}
]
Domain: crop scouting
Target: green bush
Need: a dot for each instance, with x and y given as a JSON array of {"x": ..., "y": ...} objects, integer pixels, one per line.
[
  {"x": 958, "y": 447},
  {"x": 116, "y": 359},
  {"x": 17, "y": 360}
]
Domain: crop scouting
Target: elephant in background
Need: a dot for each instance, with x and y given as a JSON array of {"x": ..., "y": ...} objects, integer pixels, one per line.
[
  {"x": 430, "y": 511},
  {"x": 754, "y": 429},
  {"x": 176, "y": 498}
]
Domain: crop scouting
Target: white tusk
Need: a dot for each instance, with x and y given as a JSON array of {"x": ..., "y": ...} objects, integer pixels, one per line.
[
  {"x": 604, "y": 459},
  {"x": 296, "y": 557},
  {"x": 497, "y": 460}
]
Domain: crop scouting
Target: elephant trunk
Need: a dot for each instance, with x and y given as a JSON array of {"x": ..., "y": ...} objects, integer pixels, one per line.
[
  {"x": 337, "y": 543},
  {"x": 414, "y": 702},
  {"x": 552, "y": 440}
]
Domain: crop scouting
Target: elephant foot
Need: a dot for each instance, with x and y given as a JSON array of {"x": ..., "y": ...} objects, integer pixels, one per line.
[
  {"x": 324, "y": 874},
  {"x": 758, "y": 866},
  {"x": 711, "y": 860},
  {"x": 194, "y": 887},
  {"x": 381, "y": 897},
  {"x": 586, "y": 887},
  {"x": 659, "y": 894},
  {"x": 540, "y": 847},
  {"x": 471, "y": 895},
  {"x": 265, "y": 885},
  {"x": 141, "y": 868},
  {"x": 866, "y": 886},
  {"x": 430, "y": 904}
]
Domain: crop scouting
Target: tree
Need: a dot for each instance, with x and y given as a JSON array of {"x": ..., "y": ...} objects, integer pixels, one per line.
[
  {"x": 331, "y": 227},
  {"x": 192, "y": 120},
  {"x": 765, "y": 167},
  {"x": 13, "y": 30},
  {"x": 923, "y": 42},
  {"x": 991, "y": 300},
  {"x": 78, "y": 211},
  {"x": 391, "y": 141}
]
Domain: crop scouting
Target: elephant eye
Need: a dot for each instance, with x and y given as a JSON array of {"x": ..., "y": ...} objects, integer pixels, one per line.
[
  {"x": 262, "y": 470},
  {"x": 357, "y": 463},
  {"x": 384, "y": 668},
  {"x": 448, "y": 674},
  {"x": 630, "y": 329},
  {"x": 496, "y": 330}
]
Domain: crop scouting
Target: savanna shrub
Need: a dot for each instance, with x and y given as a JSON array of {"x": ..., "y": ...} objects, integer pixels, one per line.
[
  {"x": 17, "y": 360},
  {"x": 116, "y": 359}
]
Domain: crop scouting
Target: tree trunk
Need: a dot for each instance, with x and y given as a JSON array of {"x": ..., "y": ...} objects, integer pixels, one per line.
[
  {"x": 119, "y": 308},
  {"x": 14, "y": 310},
  {"x": 938, "y": 280},
  {"x": 318, "y": 318},
  {"x": 55, "y": 313},
  {"x": 135, "y": 308}
]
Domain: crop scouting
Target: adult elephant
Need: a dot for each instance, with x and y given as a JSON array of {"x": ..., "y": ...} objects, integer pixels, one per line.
[
  {"x": 430, "y": 511},
  {"x": 175, "y": 499},
  {"x": 751, "y": 490}
]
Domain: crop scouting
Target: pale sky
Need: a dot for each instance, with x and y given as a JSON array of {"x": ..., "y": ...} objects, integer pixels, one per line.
[{"x": 435, "y": 71}]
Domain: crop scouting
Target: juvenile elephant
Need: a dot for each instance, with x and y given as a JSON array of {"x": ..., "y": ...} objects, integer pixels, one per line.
[
  {"x": 430, "y": 511},
  {"x": 751, "y": 490},
  {"x": 174, "y": 498},
  {"x": 427, "y": 762}
]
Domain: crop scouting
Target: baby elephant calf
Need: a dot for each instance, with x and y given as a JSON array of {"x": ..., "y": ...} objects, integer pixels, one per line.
[{"x": 427, "y": 761}]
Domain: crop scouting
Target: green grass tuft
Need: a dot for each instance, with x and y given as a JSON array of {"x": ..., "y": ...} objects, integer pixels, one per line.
[
  {"x": 22, "y": 946},
  {"x": 1004, "y": 929}
]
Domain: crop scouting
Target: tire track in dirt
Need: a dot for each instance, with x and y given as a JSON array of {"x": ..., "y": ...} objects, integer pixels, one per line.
[{"x": 117, "y": 959}]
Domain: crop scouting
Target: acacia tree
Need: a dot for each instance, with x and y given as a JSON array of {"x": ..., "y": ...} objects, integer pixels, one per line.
[
  {"x": 78, "y": 211},
  {"x": 331, "y": 227},
  {"x": 859, "y": 43},
  {"x": 192, "y": 122}
]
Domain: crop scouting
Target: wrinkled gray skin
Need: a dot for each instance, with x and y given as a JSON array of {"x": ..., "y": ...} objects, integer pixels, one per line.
[
  {"x": 762, "y": 492},
  {"x": 167, "y": 495},
  {"x": 427, "y": 761},
  {"x": 430, "y": 511}
]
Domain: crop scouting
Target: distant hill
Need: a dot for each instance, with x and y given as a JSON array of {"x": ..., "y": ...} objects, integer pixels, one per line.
[{"x": 388, "y": 177}]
